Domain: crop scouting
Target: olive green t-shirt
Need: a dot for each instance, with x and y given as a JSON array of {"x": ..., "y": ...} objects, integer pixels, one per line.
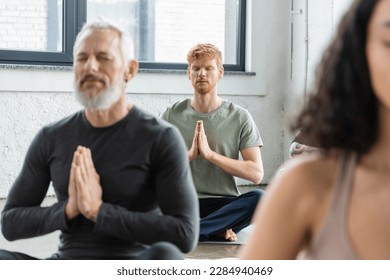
[{"x": 229, "y": 129}]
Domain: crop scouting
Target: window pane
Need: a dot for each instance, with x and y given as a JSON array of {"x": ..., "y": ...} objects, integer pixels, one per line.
[
  {"x": 34, "y": 25},
  {"x": 164, "y": 30}
]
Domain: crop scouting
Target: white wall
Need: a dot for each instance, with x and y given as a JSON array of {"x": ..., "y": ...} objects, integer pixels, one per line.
[
  {"x": 32, "y": 98},
  {"x": 314, "y": 23}
]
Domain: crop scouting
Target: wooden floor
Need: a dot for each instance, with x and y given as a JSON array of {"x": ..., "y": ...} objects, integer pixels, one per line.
[{"x": 214, "y": 251}]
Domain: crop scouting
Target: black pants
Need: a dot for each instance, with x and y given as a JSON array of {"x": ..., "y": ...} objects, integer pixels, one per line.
[{"x": 157, "y": 251}]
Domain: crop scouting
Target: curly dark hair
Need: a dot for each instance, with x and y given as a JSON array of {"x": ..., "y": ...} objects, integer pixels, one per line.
[{"x": 342, "y": 110}]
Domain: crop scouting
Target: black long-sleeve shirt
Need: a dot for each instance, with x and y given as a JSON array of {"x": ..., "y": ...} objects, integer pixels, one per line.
[{"x": 148, "y": 192}]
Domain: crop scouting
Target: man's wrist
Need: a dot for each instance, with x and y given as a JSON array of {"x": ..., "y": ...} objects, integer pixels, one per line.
[
  {"x": 191, "y": 155},
  {"x": 211, "y": 156},
  {"x": 70, "y": 211},
  {"x": 95, "y": 213}
]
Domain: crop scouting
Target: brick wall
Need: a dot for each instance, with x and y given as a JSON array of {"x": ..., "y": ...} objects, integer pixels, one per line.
[
  {"x": 184, "y": 23},
  {"x": 23, "y": 24}
]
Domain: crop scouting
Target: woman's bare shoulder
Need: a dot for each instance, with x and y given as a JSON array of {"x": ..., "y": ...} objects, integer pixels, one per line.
[{"x": 308, "y": 177}]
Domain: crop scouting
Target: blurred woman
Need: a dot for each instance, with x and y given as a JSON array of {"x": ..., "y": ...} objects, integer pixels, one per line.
[{"x": 336, "y": 205}]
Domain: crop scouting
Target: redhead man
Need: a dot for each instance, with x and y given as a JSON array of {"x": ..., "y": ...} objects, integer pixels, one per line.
[{"x": 216, "y": 131}]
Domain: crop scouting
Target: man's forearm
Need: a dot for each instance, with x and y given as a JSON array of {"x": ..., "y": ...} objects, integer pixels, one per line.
[{"x": 244, "y": 169}]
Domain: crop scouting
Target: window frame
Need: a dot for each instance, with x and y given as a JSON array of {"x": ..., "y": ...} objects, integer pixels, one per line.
[{"x": 75, "y": 14}]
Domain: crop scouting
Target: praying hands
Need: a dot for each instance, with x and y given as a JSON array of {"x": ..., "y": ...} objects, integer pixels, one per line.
[{"x": 85, "y": 191}]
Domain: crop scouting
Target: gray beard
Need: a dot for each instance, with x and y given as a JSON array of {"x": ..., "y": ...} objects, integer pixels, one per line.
[{"x": 102, "y": 101}]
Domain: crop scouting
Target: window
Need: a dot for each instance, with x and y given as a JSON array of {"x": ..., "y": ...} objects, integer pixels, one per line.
[
  {"x": 39, "y": 31},
  {"x": 163, "y": 30}
]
